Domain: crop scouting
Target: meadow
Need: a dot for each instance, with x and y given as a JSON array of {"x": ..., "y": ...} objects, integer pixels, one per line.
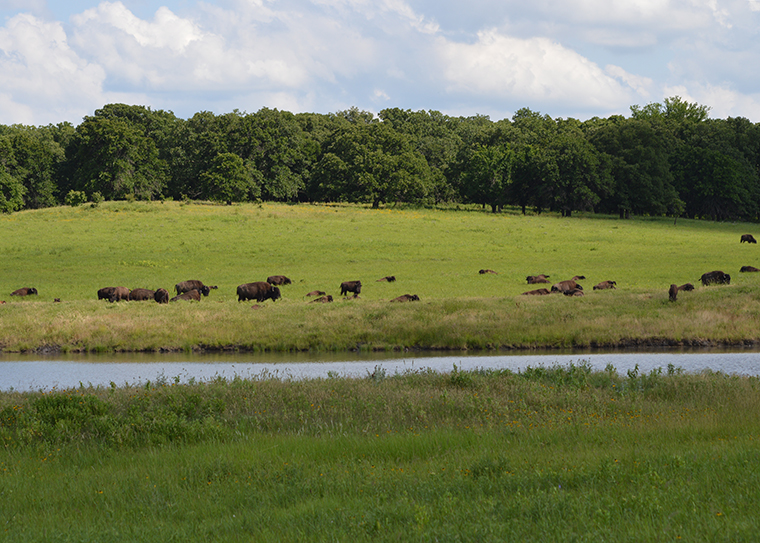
[{"x": 71, "y": 252}]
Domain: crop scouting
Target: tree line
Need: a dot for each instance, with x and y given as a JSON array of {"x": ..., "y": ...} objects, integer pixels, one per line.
[{"x": 666, "y": 158}]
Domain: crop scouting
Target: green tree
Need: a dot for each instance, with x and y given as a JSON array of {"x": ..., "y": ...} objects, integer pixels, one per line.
[{"x": 229, "y": 180}]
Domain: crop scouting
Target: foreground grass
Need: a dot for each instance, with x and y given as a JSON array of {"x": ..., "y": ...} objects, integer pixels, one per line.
[
  {"x": 68, "y": 253},
  {"x": 561, "y": 454}
]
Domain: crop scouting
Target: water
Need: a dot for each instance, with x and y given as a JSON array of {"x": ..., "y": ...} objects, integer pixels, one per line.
[{"x": 35, "y": 372}]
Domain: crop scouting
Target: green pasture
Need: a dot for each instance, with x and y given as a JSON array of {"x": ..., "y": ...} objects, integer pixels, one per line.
[{"x": 71, "y": 252}]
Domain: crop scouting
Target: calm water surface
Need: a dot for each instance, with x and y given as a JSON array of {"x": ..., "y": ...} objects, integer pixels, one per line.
[{"x": 35, "y": 372}]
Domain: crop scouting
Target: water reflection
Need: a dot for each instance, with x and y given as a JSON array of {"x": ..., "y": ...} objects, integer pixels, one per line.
[{"x": 34, "y": 372}]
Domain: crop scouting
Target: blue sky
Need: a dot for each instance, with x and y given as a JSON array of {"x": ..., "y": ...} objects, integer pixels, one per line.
[{"x": 59, "y": 61}]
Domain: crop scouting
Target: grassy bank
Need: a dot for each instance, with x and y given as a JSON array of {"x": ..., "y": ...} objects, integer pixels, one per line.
[
  {"x": 69, "y": 253},
  {"x": 561, "y": 454}
]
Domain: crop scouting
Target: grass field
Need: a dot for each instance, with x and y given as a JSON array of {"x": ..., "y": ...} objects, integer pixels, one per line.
[{"x": 69, "y": 253}]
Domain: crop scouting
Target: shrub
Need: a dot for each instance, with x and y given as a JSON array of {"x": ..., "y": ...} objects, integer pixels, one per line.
[{"x": 75, "y": 198}]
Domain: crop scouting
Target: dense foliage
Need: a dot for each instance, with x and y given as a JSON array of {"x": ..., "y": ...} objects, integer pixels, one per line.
[{"x": 665, "y": 159}]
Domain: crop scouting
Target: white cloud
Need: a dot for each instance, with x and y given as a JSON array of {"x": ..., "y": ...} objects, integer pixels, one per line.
[
  {"x": 536, "y": 69},
  {"x": 723, "y": 101}
]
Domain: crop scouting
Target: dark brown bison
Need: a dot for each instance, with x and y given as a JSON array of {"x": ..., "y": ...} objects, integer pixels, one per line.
[
  {"x": 316, "y": 293},
  {"x": 717, "y": 277},
  {"x": 579, "y": 278},
  {"x": 119, "y": 294},
  {"x": 192, "y": 295},
  {"x": 278, "y": 280},
  {"x": 259, "y": 291},
  {"x": 56, "y": 300},
  {"x": 536, "y": 279},
  {"x": 187, "y": 286},
  {"x": 407, "y": 298},
  {"x": 574, "y": 292},
  {"x": 673, "y": 293},
  {"x": 537, "y": 292},
  {"x": 564, "y": 286},
  {"x": 604, "y": 285},
  {"x": 105, "y": 293},
  {"x": 161, "y": 296},
  {"x": 387, "y": 278},
  {"x": 323, "y": 299},
  {"x": 141, "y": 295},
  {"x": 687, "y": 287},
  {"x": 749, "y": 238},
  {"x": 483, "y": 272},
  {"x": 26, "y": 291},
  {"x": 749, "y": 269},
  {"x": 351, "y": 286}
]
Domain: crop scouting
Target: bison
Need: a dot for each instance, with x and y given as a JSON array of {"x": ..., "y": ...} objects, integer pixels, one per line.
[
  {"x": 564, "y": 286},
  {"x": 141, "y": 295},
  {"x": 387, "y": 278},
  {"x": 673, "y": 293},
  {"x": 105, "y": 293},
  {"x": 259, "y": 291},
  {"x": 26, "y": 291},
  {"x": 118, "y": 294},
  {"x": 717, "y": 277},
  {"x": 604, "y": 285},
  {"x": 187, "y": 286},
  {"x": 687, "y": 287},
  {"x": 483, "y": 272},
  {"x": 194, "y": 294},
  {"x": 579, "y": 277},
  {"x": 407, "y": 298},
  {"x": 749, "y": 269},
  {"x": 323, "y": 299},
  {"x": 278, "y": 280},
  {"x": 161, "y": 296},
  {"x": 749, "y": 238},
  {"x": 351, "y": 286},
  {"x": 537, "y": 292},
  {"x": 536, "y": 279},
  {"x": 316, "y": 293},
  {"x": 574, "y": 292}
]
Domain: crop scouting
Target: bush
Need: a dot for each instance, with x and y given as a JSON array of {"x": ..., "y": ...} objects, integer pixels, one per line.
[{"x": 75, "y": 198}]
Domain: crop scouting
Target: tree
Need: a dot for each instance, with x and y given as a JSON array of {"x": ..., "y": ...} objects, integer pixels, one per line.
[
  {"x": 490, "y": 176},
  {"x": 229, "y": 180}
]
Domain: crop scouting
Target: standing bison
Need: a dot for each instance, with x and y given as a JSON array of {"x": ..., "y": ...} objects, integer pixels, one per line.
[
  {"x": 192, "y": 295},
  {"x": 278, "y": 280},
  {"x": 118, "y": 294},
  {"x": 749, "y": 238},
  {"x": 187, "y": 286},
  {"x": 161, "y": 296},
  {"x": 26, "y": 291},
  {"x": 673, "y": 293},
  {"x": 350, "y": 286},
  {"x": 105, "y": 293},
  {"x": 141, "y": 295},
  {"x": 259, "y": 291},
  {"x": 717, "y": 277}
]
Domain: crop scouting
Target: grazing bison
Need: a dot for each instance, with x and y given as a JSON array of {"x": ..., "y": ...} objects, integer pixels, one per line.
[
  {"x": 748, "y": 238},
  {"x": 749, "y": 269},
  {"x": 105, "y": 293},
  {"x": 407, "y": 298},
  {"x": 26, "y": 291},
  {"x": 259, "y": 291},
  {"x": 161, "y": 296},
  {"x": 278, "y": 280},
  {"x": 688, "y": 287},
  {"x": 141, "y": 295},
  {"x": 673, "y": 293},
  {"x": 483, "y": 272},
  {"x": 316, "y": 293},
  {"x": 564, "y": 286},
  {"x": 604, "y": 285},
  {"x": 351, "y": 286},
  {"x": 323, "y": 299},
  {"x": 536, "y": 279},
  {"x": 537, "y": 292},
  {"x": 119, "y": 294},
  {"x": 387, "y": 278},
  {"x": 187, "y": 286},
  {"x": 194, "y": 294},
  {"x": 717, "y": 277}
]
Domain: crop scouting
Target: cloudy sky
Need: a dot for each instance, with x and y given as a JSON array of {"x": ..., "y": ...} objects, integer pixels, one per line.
[{"x": 61, "y": 60}]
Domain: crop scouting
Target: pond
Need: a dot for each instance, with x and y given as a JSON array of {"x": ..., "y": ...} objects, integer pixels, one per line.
[{"x": 37, "y": 372}]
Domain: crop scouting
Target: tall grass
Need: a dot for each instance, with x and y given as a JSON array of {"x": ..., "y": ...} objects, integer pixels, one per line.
[{"x": 69, "y": 253}]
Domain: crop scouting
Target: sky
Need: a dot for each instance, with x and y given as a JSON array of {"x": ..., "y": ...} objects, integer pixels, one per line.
[{"x": 62, "y": 60}]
